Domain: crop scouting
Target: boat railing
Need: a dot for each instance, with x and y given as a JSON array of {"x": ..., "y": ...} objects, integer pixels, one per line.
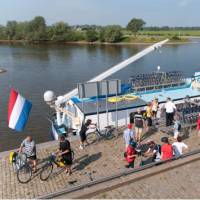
[
  {"x": 153, "y": 79},
  {"x": 159, "y": 86}
]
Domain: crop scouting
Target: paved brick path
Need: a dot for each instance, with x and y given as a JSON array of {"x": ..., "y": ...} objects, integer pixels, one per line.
[
  {"x": 102, "y": 159},
  {"x": 179, "y": 183}
]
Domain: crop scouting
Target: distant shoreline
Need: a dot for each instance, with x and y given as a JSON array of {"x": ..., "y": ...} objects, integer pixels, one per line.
[{"x": 94, "y": 43}]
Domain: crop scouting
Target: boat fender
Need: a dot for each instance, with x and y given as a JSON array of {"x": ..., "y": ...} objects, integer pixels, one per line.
[
  {"x": 114, "y": 99},
  {"x": 130, "y": 97}
]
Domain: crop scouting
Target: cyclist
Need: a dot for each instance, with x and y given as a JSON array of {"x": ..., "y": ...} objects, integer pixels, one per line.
[
  {"x": 84, "y": 128},
  {"x": 65, "y": 152},
  {"x": 28, "y": 147}
]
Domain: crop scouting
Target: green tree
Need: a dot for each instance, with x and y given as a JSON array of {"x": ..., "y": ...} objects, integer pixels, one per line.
[
  {"x": 73, "y": 36},
  {"x": 37, "y": 24},
  {"x": 3, "y": 33},
  {"x": 91, "y": 35},
  {"x": 135, "y": 25},
  {"x": 37, "y": 29},
  {"x": 11, "y": 29},
  {"x": 21, "y": 31},
  {"x": 102, "y": 35},
  {"x": 111, "y": 34},
  {"x": 58, "y": 31}
]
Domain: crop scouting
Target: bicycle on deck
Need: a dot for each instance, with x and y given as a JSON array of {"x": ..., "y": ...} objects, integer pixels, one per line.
[
  {"x": 47, "y": 168},
  {"x": 108, "y": 133}
]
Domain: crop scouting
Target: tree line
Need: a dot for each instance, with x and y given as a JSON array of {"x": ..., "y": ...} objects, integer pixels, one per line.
[{"x": 37, "y": 30}]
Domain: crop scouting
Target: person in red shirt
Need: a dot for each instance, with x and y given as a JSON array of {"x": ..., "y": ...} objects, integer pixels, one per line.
[
  {"x": 131, "y": 154},
  {"x": 198, "y": 125},
  {"x": 166, "y": 149}
]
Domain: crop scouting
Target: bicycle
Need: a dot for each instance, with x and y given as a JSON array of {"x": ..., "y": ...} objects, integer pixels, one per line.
[
  {"x": 97, "y": 135},
  {"x": 47, "y": 168},
  {"x": 21, "y": 167}
]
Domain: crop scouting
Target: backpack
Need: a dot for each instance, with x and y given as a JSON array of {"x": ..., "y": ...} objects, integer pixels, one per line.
[{"x": 179, "y": 127}]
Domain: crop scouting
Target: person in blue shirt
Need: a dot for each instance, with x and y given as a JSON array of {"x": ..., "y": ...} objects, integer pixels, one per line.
[{"x": 128, "y": 134}]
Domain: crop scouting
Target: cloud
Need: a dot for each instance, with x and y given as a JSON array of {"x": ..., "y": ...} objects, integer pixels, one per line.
[{"x": 183, "y": 3}]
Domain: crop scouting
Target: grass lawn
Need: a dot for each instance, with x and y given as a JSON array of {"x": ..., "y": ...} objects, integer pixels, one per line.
[{"x": 171, "y": 33}]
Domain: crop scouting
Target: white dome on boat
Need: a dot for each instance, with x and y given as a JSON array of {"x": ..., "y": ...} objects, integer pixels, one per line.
[{"x": 49, "y": 96}]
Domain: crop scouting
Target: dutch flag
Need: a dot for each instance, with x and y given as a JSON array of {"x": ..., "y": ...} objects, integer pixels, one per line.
[{"x": 18, "y": 111}]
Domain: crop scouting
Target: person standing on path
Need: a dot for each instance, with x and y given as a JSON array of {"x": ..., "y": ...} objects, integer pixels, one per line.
[
  {"x": 170, "y": 109},
  {"x": 84, "y": 128},
  {"x": 177, "y": 126},
  {"x": 155, "y": 106},
  {"x": 149, "y": 115},
  {"x": 139, "y": 125},
  {"x": 128, "y": 135}
]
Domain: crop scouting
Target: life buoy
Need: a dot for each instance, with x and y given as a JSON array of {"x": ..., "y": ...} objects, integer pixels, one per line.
[
  {"x": 130, "y": 97},
  {"x": 115, "y": 99}
]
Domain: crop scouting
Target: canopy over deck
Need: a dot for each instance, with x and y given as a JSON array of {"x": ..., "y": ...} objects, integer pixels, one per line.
[{"x": 89, "y": 107}]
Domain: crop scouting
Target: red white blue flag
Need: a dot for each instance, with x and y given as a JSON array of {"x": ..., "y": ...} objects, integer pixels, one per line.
[{"x": 18, "y": 111}]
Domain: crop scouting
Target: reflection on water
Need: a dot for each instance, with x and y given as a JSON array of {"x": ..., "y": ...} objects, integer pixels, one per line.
[{"x": 33, "y": 69}]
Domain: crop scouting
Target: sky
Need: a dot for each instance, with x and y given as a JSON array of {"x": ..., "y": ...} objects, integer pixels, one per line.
[{"x": 104, "y": 12}]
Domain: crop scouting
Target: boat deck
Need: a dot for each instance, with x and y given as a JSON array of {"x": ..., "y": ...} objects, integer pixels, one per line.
[
  {"x": 89, "y": 106},
  {"x": 175, "y": 94}
]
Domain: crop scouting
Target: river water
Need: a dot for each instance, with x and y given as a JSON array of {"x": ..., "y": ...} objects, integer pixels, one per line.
[{"x": 33, "y": 69}]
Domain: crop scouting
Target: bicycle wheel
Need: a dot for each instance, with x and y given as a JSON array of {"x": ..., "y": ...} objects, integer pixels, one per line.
[
  {"x": 46, "y": 171},
  {"x": 24, "y": 174},
  {"x": 92, "y": 138}
]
